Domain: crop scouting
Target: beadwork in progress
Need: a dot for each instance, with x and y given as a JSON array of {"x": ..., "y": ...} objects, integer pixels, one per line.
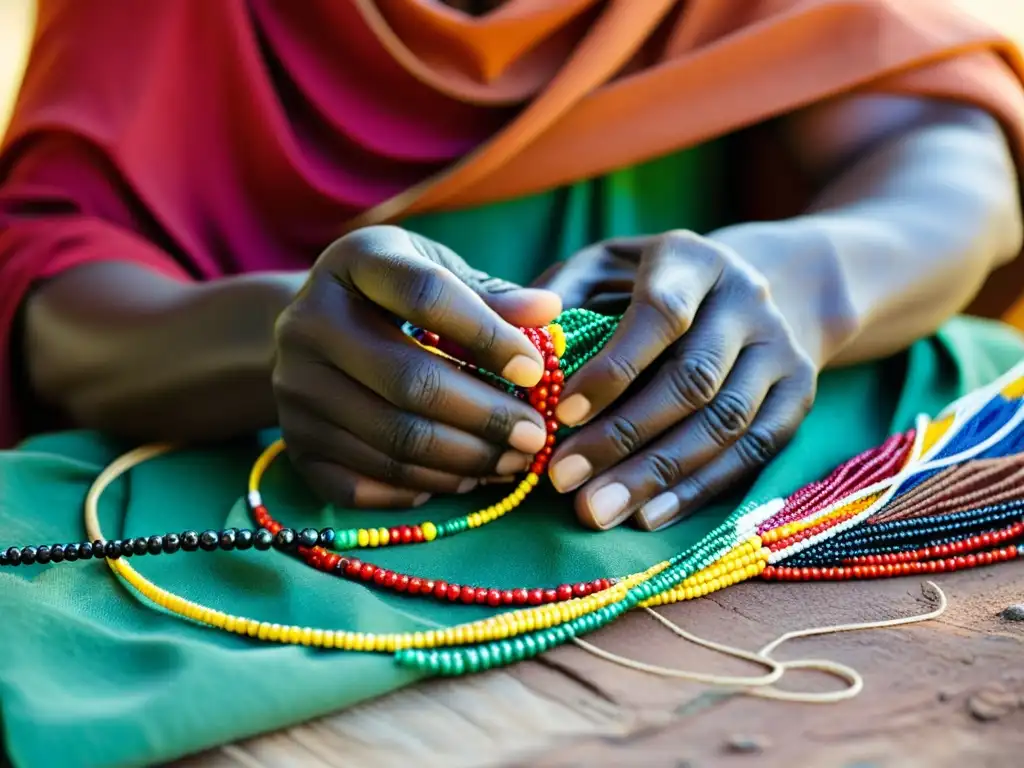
[{"x": 944, "y": 496}]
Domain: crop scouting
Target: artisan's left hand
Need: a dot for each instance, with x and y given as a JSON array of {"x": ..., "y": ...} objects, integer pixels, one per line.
[{"x": 723, "y": 381}]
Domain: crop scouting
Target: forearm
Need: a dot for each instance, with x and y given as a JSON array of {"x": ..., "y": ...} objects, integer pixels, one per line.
[
  {"x": 121, "y": 349},
  {"x": 894, "y": 246}
]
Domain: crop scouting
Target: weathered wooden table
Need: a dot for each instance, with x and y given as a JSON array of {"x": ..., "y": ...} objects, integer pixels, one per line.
[{"x": 946, "y": 693}]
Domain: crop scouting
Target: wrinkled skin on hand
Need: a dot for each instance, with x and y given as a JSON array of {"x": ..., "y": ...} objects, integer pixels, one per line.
[
  {"x": 373, "y": 420},
  {"x": 703, "y": 383}
]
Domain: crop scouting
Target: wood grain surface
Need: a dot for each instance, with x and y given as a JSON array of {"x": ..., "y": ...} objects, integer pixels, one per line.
[{"x": 945, "y": 693}]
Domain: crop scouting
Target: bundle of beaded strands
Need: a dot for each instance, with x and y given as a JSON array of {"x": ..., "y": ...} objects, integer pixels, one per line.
[{"x": 944, "y": 496}]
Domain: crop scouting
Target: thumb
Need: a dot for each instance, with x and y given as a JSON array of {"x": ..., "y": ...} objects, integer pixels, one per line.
[{"x": 527, "y": 307}]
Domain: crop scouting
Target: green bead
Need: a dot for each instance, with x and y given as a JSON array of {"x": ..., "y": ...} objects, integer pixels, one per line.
[{"x": 445, "y": 662}]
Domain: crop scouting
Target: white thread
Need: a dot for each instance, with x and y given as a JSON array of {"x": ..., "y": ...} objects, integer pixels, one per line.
[{"x": 763, "y": 688}]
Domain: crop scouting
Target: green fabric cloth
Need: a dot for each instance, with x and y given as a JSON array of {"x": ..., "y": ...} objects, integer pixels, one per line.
[{"x": 92, "y": 677}]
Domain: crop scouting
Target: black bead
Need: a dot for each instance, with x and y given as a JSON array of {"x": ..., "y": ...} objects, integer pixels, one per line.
[
  {"x": 4, "y": 560},
  {"x": 244, "y": 539},
  {"x": 190, "y": 541},
  {"x": 124, "y": 546},
  {"x": 43, "y": 554},
  {"x": 13, "y": 556},
  {"x": 309, "y": 537},
  {"x": 71, "y": 552},
  {"x": 208, "y": 541},
  {"x": 28, "y": 555},
  {"x": 172, "y": 543},
  {"x": 57, "y": 553},
  {"x": 327, "y": 537},
  {"x": 140, "y": 546},
  {"x": 227, "y": 539},
  {"x": 264, "y": 539},
  {"x": 112, "y": 549},
  {"x": 285, "y": 539},
  {"x": 85, "y": 550},
  {"x": 155, "y": 545},
  {"x": 99, "y": 547}
]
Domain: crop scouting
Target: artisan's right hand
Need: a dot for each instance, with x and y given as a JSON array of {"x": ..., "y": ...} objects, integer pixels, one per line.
[{"x": 371, "y": 419}]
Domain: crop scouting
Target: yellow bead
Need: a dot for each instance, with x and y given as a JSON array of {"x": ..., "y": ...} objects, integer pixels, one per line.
[
  {"x": 306, "y": 635},
  {"x": 317, "y": 638},
  {"x": 385, "y": 536},
  {"x": 294, "y": 635},
  {"x": 363, "y": 537},
  {"x": 373, "y": 537},
  {"x": 429, "y": 531},
  {"x": 330, "y": 637},
  {"x": 532, "y": 479}
]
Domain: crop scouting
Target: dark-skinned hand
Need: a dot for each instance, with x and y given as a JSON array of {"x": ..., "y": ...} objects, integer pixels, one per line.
[
  {"x": 371, "y": 419},
  {"x": 702, "y": 383}
]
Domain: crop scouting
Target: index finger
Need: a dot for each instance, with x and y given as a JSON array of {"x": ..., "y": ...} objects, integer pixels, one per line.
[
  {"x": 399, "y": 278},
  {"x": 675, "y": 274}
]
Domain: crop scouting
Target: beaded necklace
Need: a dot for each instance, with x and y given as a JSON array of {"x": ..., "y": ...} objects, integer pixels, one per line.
[{"x": 854, "y": 524}]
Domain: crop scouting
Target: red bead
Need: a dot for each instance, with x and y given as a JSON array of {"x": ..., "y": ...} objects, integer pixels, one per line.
[
  {"x": 391, "y": 579},
  {"x": 367, "y": 571},
  {"x": 519, "y": 596},
  {"x": 580, "y": 590},
  {"x": 552, "y": 426},
  {"x": 402, "y": 583},
  {"x": 507, "y": 597},
  {"x": 468, "y": 595},
  {"x": 481, "y": 596},
  {"x": 417, "y": 534},
  {"x": 535, "y": 596},
  {"x": 353, "y": 567},
  {"x": 564, "y": 591},
  {"x": 557, "y": 376},
  {"x": 440, "y": 589},
  {"x": 405, "y": 533},
  {"x": 550, "y": 596},
  {"x": 552, "y": 364},
  {"x": 379, "y": 576},
  {"x": 415, "y": 585},
  {"x": 394, "y": 535},
  {"x": 555, "y": 388},
  {"x": 493, "y": 597},
  {"x": 538, "y": 467},
  {"x": 453, "y": 592}
]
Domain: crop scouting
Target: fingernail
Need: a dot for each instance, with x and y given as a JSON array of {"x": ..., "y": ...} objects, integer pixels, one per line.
[
  {"x": 523, "y": 371},
  {"x": 658, "y": 511},
  {"x": 527, "y": 437},
  {"x": 420, "y": 500},
  {"x": 570, "y": 473},
  {"x": 467, "y": 485},
  {"x": 511, "y": 462},
  {"x": 608, "y": 503},
  {"x": 573, "y": 410}
]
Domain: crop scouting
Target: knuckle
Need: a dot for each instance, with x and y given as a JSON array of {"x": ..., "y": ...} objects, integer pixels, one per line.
[
  {"x": 416, "y": 384},
  {"x": 499, "y": 423},
  {"x": 672, "y": 308},
  {"x": 695, "y": 381},
  {"x": 394, "y": 472},
  {"x": 664, "y": 470},
  {"x": 757, "y": 447},
  {"x": 694, "y": 248},
  {"x": 486, "y": 337},
  {"x": 728, "y": 416},
  {"x": 410, "y": 437},
  {"x": 625, "y": 435},
  {"x": 424, "y": 291},
  {"x": 621, "y": 371}
]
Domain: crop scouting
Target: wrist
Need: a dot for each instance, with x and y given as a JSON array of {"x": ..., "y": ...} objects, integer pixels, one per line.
[{"x": 803, "y": 270}]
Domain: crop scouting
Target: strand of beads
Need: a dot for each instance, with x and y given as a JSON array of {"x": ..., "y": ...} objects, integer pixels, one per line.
[
  {"x": 137, "y": 546},
  {"x": 543, "y": 397},
  {"x": 890, "y": 570}
]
